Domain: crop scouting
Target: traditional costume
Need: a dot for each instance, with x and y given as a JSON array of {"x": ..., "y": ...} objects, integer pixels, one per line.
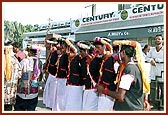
[
  {"x": 74, "y": 90},
  {"x": 107, "y": 75},
  {"x": 49, "y": 93}
]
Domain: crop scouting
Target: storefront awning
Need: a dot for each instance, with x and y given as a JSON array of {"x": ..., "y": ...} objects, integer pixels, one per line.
[{"x": 123, "y": 29}]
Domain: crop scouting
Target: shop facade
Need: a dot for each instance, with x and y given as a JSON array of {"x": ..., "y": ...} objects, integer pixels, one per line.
[{"x": 140, "y": 23}]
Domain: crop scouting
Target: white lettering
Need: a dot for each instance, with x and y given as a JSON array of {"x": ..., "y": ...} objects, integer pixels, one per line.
[
  {"x": 155, "y": 29},
  {"x": 118, "y": 33}
]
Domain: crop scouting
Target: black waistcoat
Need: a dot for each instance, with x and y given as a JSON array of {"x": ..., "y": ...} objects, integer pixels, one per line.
[
  {"x": 74, "y": 77},
  {"x": 52, "y": 63},
  {"x": 108, "y": 74},
  {"x": 63, "y": 66},
  {"x": 94, "y": 68}
]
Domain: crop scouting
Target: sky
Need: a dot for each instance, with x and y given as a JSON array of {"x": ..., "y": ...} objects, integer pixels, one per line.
[{"x": 40, "y": 12}]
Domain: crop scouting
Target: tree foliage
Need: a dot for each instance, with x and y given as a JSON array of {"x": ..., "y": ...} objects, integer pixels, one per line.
[{"x": 14, "y": 31}]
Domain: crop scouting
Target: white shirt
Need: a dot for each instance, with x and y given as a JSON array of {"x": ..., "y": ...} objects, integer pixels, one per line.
[
  {"x": 116, "y": 65},
  {"x": 144, "y": 56},
  {"x": 31, "y": 64},
  {"x": 24, "y": 64},
  {"x": 158, "y": 57},
  {"x": 126, "y": 81}
]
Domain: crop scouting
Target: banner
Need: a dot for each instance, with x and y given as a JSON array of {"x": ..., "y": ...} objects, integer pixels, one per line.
[{"x": 143, "y": 11}]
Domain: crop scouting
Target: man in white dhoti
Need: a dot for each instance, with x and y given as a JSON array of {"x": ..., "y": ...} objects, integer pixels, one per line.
[
  {"x": 49, "y": 93},
  {"x": 107, "y": 73},
  {"x": 90, "y": 96},
  {"x": 61, "y": 76},
  {"x": 74, "y": 89}
]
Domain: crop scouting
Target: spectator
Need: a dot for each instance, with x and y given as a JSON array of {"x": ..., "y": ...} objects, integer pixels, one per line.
[
  {"x": 18, "y": 53},
  {"x": 145, "y": 51},
  {"x": 27, "y": 93},
  {"x": 156, "y": 59},
  {"x": 12, "y": 73},
  {"x": 156, "y": 56}
]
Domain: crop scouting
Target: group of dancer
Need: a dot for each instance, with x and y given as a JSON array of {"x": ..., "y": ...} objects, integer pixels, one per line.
[{"x": 88, "y": 75}]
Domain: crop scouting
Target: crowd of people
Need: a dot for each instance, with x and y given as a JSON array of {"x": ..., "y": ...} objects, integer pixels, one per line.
[
  {"x": 92, "y": 75},
  {"x": 22, "y": 70}
]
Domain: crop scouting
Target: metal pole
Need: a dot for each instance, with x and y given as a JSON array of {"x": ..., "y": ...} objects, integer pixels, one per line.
[
  {"x": 93, "y": 9},
  {"x": 49, "y": 25}
]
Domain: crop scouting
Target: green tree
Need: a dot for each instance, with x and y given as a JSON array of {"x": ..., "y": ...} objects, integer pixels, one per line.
[
  {"x": 8, "y": 33},
  {"x": 29, "y": 28},
  {"x": 18, "y": 30},
  {"x": 14, "y": 30}
]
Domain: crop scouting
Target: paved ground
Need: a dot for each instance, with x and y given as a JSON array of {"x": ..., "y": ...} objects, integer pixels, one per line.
[{"x": 41, "y": 106}]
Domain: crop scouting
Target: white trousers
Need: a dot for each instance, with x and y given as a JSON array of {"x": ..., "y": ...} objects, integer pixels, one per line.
[
  {"x": 49, "y": 93},
  {"x": 74, "y": 98},
  {"x": 90, "y": 100},
  {"x": 105, "y": 103},
  {"x": 60, "y": 95}
]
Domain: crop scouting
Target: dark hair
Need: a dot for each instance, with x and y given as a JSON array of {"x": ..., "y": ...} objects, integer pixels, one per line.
[
  {"x": 97, "y": 43},
  {"x": 16, "y": 45},
  {"x": 116, "y": 47},
  {"x": 129, "y": 50},
  {"x": 62, "y": 42},
  {"x": 146, "y": 46},
  {"x": 159, "y": 35},
  {"x": 33, "y": 51},
  {"x": 52, "y": 39},
  {"x": 82, "y": 49}
]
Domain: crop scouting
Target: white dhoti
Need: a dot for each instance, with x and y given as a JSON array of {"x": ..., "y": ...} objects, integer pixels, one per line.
[
  {"x": 60, "y": 95},
  {"x": 105, "y": 103},
  {"x": 90, "y": 100},
  {"x": 74, "y": 97},
  {"x": 49, "y": 93}
]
